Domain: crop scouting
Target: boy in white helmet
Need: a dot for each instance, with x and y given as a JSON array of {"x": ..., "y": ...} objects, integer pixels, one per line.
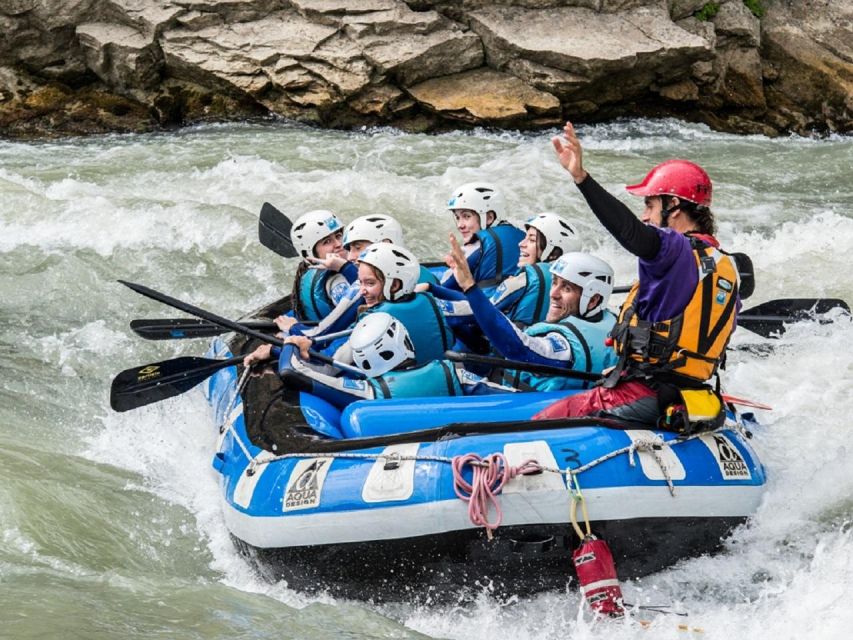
[
  {"x": 491, "y": 244},
  {"x": 574, "y": 333}
]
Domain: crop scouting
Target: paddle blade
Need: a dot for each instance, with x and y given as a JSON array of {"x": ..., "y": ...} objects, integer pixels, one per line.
[
  {"x": 747, "y": 274},
  {"x": 274, "y": 231},
  {"x": 140, "y": 386},
  {"x": 797, "y": 308},
  {"x": 769, "y": 318}
]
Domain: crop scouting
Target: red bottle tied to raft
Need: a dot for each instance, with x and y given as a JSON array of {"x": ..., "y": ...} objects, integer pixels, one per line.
[{"x": 597, "y": 577}]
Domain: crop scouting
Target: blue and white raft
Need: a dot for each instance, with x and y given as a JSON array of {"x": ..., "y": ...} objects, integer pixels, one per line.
[{"x": 361, "y": 503}]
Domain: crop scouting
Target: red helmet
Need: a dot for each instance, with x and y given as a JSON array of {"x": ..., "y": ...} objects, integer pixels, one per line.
[{"x": 679, "y": 178}]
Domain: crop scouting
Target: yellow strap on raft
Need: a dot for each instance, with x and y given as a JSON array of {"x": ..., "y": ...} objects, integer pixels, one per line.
[{"x": 577, "y": 497}]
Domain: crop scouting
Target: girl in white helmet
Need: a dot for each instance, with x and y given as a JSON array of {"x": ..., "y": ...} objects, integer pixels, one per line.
[
  {"x": 491, "y": 244},
  {"x": 317, "y": 236},
  {"x": 358, "y": 235},
  {"x": 524, "y": 296},
  {"x": 387, "y": 274},
  {"x": 384, "y": 352},
  {"x": 573, "y": 335}
]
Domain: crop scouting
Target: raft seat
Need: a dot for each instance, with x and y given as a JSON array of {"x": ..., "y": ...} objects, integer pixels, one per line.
[{"x": 366, "y": 418}]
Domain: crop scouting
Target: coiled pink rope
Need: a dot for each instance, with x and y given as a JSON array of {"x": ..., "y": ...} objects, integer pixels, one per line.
[{"x": 490, "y": 474}]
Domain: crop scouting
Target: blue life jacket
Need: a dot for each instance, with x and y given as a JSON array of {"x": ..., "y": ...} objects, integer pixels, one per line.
[
  {"x": 436, "y": 378},
  {"x": 311, "y": 288},
  {"x": 530, "y": 304},
  {"x": 425, "y": 323},
  {"x": 498, "y": 254},
  {"x": 590, "y": 353},
  {"x": 427, "y": 276}
]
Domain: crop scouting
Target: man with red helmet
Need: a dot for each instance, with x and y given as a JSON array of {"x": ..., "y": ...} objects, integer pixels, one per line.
[{"x": 675, "y": 324}]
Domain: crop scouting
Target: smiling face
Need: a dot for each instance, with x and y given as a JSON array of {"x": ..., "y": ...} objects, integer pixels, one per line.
[
  {"x": 565, "y": 300},
  {"x": 467, "y": 222},
  {"x": 371, "y": 284},
  {"x": 529, "y": 247},
  {"x": 332, "y": 244}
]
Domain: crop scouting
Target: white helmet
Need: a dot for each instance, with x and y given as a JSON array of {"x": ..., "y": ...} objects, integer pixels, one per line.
[
  {"x": 374, "y": 228},
  {"x": 312, "y": 227},
  {"x": 394, "y": 262},
  {"x": 557, "y": 233},
  {"x": 480, "y": 197},
  {"x": 593, "y": 275},
  {"x": 379, "y": 343}
]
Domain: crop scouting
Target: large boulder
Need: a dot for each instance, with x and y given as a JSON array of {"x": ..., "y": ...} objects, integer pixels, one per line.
[
  {"x": 579, "y": 54},
  {"x": 808, "y": 65},
  {"x": 485, "y": 96}
]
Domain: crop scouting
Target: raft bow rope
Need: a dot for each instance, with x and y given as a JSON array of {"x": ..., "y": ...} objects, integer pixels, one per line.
[{"x": 489, "y": 475}]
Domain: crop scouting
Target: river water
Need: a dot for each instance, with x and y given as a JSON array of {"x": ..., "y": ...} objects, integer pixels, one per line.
[{"x": 110, "y": 524}]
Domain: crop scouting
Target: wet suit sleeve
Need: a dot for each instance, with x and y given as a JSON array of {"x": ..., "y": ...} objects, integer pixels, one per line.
[
  {"x": 552, "y": 349},
  {"x": 446, "y": 294},
  {"x": 449, "y": 280},
  {"x": 350, "y": 272},
  {"x": 635, "y": 236}
]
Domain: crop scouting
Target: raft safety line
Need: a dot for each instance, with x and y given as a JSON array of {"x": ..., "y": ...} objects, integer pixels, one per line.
[
  {"x": 231, "y": 415},
  {"x": 393, "y": 459}
]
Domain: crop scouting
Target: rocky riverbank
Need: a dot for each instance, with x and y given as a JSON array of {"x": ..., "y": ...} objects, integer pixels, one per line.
[{"x": 90, "y": 66}]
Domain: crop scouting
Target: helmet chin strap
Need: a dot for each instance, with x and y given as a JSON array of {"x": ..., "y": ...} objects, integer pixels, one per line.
[{"x": 665, "y": 213}]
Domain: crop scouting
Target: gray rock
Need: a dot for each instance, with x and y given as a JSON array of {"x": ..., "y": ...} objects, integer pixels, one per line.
[
  {"x": 423, "y": 63},
  {"x": 589, "y": 45},
  {"x": 735, "y": 22},
  {"x": 120, "y": 56}
]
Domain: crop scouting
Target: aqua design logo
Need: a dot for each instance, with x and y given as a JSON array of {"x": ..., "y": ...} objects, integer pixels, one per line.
[
  {"x": 731, "y": 462},
  {"x": 305, "y": 485}
]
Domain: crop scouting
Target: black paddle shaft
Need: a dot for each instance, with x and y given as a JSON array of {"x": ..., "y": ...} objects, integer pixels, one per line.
[{"x": 517, "y": 364}]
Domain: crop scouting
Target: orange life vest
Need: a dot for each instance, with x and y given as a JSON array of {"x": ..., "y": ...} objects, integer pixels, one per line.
[{"x": 693, "y": 343}]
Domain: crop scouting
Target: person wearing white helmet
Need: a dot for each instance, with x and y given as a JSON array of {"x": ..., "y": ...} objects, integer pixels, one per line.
[
  {"x": 491, "y": 244},
  {"x": 358, "y": 235},
  {"x": 387, "y": 274},
  {"x": 369, "y": 229},
  {"x": 574, "y": 333},
  {"x": 317, "y": 236},
  {"x": 384, "y": 352},
  {"x": 524, "y": 296}
]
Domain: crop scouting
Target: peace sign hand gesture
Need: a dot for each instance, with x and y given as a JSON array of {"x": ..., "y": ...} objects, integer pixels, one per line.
[{"x": 458, "y": 263}]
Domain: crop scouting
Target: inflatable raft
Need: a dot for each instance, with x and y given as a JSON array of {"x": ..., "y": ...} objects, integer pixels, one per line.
[{"x": 361, "y": 503}]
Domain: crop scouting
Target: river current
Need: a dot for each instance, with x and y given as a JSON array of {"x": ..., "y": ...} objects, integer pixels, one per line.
[{"x": 110, "y": 524}]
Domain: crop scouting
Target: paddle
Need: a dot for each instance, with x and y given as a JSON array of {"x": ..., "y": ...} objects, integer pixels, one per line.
[
  {"x": 492, "y": 361},
  {"x": 770, "y": 317},
  {"x": 151, "y": 383},
  {"x": 274, "y": 231},
  {"x": 180, "y": 328}
]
